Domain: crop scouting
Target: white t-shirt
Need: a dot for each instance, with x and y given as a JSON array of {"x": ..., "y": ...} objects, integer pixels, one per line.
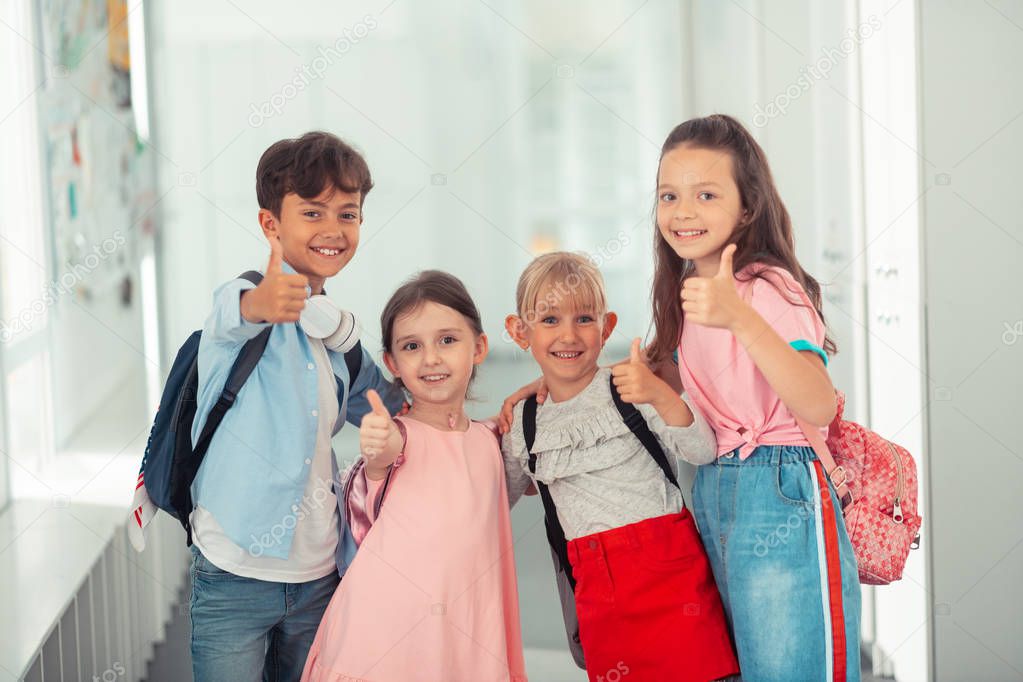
[{"x": 315, "y": 519}]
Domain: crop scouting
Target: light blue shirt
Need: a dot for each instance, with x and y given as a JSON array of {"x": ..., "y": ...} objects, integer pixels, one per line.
[{"x": 258, "y": 462}]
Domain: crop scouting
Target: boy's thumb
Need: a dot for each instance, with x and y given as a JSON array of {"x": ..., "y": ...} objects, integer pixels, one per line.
[
  {"x": 276, "y": 256},
  {"x": 376, "y": 403}
]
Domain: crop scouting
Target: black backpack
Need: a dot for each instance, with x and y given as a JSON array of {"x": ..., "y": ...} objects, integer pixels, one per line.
[
  {"x": 170, "y": 463},
  {"x": 556, "y": 534}
]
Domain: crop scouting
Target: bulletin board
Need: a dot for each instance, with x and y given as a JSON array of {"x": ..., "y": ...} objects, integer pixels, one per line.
[{"x": 101, "y": 179}]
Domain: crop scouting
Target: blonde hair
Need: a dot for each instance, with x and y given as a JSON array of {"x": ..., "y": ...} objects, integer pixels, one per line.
[{"x": 555, "y": 277}]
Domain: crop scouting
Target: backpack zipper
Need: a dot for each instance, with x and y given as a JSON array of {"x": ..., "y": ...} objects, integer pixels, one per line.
[{"x": 897, "y": 515}]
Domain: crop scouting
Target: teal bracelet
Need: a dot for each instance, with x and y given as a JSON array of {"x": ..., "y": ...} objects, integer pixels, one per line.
[{"x": 803, "y": 344}]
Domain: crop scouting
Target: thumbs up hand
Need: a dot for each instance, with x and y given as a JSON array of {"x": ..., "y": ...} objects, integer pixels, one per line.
[
  {"x": 713, "y": 301},
  {"x": 380, "y": 440},
  {"x": 280, "y": 297},
  {"x": 635, "y": 381}
]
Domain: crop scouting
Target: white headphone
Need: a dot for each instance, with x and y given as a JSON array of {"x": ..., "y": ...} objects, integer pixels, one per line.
[{"x": 323, "y": 319}]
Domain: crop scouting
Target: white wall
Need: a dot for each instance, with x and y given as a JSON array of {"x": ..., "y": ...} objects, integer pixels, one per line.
[
  {"x": 5, "y": 490},
  {"x": 895, "y": 625},
  {"x": 971, "y": 139}
]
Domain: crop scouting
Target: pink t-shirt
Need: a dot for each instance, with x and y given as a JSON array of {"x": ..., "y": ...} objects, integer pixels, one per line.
[{"x": 724, "y": 382}]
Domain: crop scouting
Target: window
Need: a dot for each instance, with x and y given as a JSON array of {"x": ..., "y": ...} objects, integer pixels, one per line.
[{"x": 24, "y": 267}]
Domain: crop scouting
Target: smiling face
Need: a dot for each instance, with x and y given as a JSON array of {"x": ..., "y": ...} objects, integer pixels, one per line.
[
  {"x": 318, "y": 235},
  {"x": 698, "y": 204},
  {"x": 565, "y": 338},
  {"x": 433, "y": 353}
]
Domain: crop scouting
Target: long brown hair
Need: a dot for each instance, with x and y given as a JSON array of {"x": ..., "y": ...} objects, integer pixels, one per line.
[{"x": 763, "y": 236}]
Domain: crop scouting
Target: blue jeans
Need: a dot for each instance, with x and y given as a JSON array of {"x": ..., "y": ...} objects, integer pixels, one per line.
[
  {"x": 775, "y": 543},
  {"x": 246, "y": 629}
]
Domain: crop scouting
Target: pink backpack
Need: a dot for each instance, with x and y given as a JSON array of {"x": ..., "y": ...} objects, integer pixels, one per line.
[{"x": 876, "y": 482}]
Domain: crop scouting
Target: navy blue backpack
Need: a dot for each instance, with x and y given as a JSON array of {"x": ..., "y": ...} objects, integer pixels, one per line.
[{"x": 170, "y": 462}]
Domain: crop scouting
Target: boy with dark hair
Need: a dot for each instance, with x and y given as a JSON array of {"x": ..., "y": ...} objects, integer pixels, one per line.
[{"x": 268, "y": 540}]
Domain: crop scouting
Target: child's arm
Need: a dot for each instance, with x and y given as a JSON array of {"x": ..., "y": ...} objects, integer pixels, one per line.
[
  {"x": 679, "y": 429},
  {"x": 505, "y": 417},
  {"x": 226, "y": 325},
  {"x": 798, "y": 377},
  {"x": 637, "y": 384},
  {"x": 380, "y": 440},
  {"x": 695, "y": 443},
  {"x": 241, "y": 309},
  {"x": 515, "y": 475}
]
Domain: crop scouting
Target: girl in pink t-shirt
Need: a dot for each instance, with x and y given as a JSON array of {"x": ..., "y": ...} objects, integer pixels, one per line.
[{"x": 752, "y": 351}]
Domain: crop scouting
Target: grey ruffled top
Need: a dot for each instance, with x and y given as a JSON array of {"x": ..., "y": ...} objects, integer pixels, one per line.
[{"x": 599, "y": 475}]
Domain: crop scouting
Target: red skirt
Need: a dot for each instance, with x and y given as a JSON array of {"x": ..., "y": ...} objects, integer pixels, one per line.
[{"x": 648, "y": 607}]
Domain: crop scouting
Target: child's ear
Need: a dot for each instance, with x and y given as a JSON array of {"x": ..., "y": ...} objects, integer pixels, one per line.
[
  {"x": 482, "y": 348},
  {"x": 516, "y": 329},
  {"x": 392, "y": 367},
  {"x": 610, "y": 322},
  {"x": 268, "y": 222}
]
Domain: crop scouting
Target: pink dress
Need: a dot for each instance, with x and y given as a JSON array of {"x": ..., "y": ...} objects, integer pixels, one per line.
[{"x": 431, "y": 594}]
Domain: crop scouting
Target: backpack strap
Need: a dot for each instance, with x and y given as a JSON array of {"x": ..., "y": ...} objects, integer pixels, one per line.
[
  {"x": 555, "y": 533},
  {"x": 634, "y": 420},
  {"x": 243, "y": 365},
  {"x": 353, "y": 361},
  {"x": 836, "y": 474},
  {"x": 353, "y": 358},
  {"x": 253, "y": 276}
]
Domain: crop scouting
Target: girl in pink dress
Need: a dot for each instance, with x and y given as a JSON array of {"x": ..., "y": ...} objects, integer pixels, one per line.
[{"x": 431, "y": 594}]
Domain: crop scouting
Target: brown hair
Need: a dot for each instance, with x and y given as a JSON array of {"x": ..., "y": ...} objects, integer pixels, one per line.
[
  {"x": 555, "y": 276},
  {"x": 308, "y": 165},
  {"x": 763, "y": 236},
  {"x": 429, "y": 286}
]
